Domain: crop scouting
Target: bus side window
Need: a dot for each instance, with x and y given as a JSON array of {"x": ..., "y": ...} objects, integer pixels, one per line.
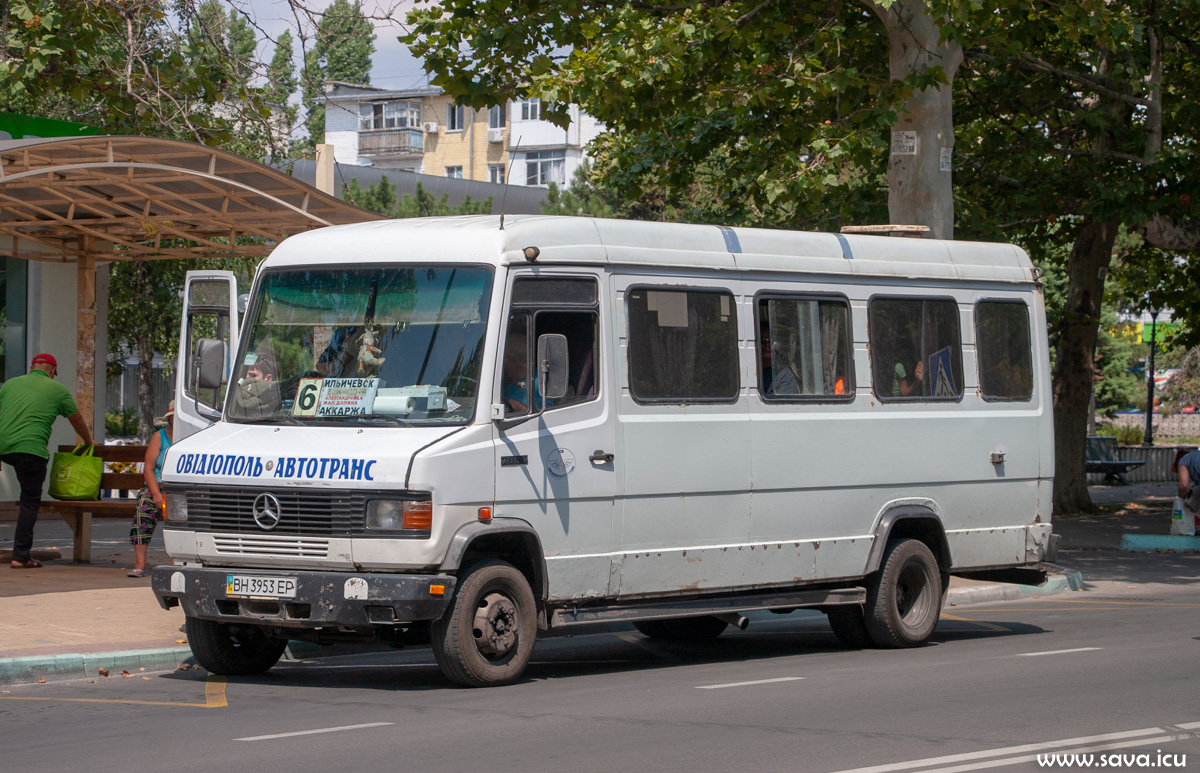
[
  {"x": 916, "y": 349},
  {"x": 804, "y": 348}
]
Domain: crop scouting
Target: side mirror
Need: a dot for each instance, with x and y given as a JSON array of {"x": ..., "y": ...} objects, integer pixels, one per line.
[
  {"x": 210, "y": 363},
  {"x": 242, "y": 302},
  {"x": 552, "y": 366}
]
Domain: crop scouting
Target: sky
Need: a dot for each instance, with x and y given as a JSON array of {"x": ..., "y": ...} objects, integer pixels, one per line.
[{"x": 393, "y": 66}]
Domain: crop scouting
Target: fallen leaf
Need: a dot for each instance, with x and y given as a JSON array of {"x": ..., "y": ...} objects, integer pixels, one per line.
[
  {"x": 145, "y": 679},
  {"x": 196, "y": 667},
  {"x": 143, "y": 668},
  {"x": 113, "y": 561},
  {"x": 102, "y": 671},
  {"x": 125, "y": 673},
  {"x": 41, "y": 680},
  {"x": 181, "y": 641},
  {"x": 91, "y": 681},
  {"x": 181, "y": 667}
]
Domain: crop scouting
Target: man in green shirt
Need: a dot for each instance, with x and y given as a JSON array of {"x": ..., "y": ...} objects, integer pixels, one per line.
[{"x": 28, "y": 407}]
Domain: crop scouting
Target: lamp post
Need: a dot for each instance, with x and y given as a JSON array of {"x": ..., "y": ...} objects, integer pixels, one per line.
[{"x": 1148, "y": 439}]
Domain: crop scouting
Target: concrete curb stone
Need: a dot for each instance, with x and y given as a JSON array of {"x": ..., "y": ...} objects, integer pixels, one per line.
[
  {"x": 1160, "y": 543},
  {"x": 1058, "y": 580},
  {"x": 81, "y": 666}
]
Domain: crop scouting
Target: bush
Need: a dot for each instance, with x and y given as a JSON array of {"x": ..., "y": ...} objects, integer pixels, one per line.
[
  {"x": 121, "y": 423},
  {"x": 1126, "y": 434}
]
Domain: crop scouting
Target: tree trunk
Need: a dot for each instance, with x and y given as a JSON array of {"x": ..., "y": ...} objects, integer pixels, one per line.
[
  {"x": 919, "y": 178},
  {"x": 1075, "y": 362}
]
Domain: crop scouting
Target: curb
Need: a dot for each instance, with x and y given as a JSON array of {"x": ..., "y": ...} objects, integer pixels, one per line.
[
  {"x": 1160, "y": 543},
  {"x": 1059, "y": 580},
  {"x": 81, "y": 666}
]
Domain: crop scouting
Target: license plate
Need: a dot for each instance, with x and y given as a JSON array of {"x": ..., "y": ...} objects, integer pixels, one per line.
[{"x": 248, "y": 585}]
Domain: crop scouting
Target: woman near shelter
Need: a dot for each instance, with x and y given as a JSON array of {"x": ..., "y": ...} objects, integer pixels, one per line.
[{"x": 150, "y": 498}]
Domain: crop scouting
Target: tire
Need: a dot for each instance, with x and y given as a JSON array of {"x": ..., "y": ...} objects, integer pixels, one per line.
[
  {"x": 232, "y": 649},
  {"x": 904, "y": 598},
  {"x": 849, "y": 627},
  {"x": 681, "y": 629},
  {"x": 486, "y": 636}
]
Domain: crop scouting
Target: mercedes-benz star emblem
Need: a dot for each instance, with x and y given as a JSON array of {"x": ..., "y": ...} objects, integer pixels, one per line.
[{"x": 267, "y": 511}]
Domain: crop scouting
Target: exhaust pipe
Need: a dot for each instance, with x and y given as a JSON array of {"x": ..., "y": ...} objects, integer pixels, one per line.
[{"x": 733, "y": 618}]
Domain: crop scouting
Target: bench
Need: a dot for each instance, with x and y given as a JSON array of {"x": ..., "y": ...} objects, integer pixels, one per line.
[
  {"x": 1102, "y": 459},
  {"x": 78, "y": 515}
]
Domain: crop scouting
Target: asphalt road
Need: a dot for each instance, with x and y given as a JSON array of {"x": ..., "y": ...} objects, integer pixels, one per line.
[{"x": 1111, "y": 670}]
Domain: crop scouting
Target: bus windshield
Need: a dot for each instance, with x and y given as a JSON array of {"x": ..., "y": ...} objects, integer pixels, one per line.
[{"x": 390, "y": 345}]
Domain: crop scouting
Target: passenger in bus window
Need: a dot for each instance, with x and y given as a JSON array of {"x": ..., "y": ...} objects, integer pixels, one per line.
[
  {"x": 903, "y": 386},
  {"x": 777, "y": 381}
]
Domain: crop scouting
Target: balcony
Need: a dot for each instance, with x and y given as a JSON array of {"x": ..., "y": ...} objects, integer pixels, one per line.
[{"x": 391, "y": 142}]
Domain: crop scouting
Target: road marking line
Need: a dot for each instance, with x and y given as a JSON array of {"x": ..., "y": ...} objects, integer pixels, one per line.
[
  {"x": 933, "y": 762},
  {"x": 987, "y": 626},
  {"x": 314, "y": 732},
  {"x": 106, "y": 700},
  {"x": 747, "y": 684},
  {"x": 1005, "y": 762},
  {"x": 1056, "y": 652},
  {"x": 214, "y": 697},
  {"x": 214, "y": 692},
  {"x": 1127, "y": 603}
]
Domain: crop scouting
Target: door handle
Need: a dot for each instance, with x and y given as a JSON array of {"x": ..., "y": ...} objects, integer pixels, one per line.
[{"x": 600, "y": 457}]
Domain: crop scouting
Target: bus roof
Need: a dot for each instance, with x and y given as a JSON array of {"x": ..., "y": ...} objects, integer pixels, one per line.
[{"x": 597, "y": 241}]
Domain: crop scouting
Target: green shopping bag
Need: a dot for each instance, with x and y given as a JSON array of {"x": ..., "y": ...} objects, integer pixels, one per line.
[{"x": 74, "y": 476}]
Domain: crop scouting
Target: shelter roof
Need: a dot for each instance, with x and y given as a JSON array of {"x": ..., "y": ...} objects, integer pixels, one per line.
[{"x": 150, "y": 198}]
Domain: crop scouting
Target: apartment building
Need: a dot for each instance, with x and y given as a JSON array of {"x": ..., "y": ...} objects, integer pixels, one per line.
[{"x": 422, "y": 130}]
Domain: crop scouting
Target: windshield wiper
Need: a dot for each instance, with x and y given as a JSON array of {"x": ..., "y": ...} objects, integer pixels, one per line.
[
  {"x": 390, "y": 421},
  {"x": 282, "y": 418}
]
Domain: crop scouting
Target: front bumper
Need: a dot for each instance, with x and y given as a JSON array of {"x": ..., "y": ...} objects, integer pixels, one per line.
[{"x": 322, "y": 598}]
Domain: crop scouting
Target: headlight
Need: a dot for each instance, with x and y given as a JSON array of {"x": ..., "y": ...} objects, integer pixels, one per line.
[
  {"x": 176, "y": 507},
  {"x": 396, "y": 515}
]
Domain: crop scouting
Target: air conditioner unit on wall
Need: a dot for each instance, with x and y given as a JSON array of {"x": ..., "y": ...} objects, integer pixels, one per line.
[
  {"x": 495, "y": 135},
  {"x": 430, "y": 127}
]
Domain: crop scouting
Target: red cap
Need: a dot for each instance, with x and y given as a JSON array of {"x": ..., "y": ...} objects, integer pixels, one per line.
[{"x": 46, "y": 358}]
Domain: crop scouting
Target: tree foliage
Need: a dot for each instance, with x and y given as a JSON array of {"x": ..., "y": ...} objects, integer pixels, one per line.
[
  {"x": 154, "y": 67},
  {"x": 345, "y": 42},
  {"x": 381, "y": 198}
]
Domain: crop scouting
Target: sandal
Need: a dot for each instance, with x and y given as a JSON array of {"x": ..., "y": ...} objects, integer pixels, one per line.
[
  {"x": 136, "y": 573},
  {"x": 30, "y": 564}
]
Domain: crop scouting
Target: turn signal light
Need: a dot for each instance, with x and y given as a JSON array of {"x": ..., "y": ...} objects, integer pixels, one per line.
[
  {"x": 418, "y": 515},
  {"x": 485, "y": 514}
]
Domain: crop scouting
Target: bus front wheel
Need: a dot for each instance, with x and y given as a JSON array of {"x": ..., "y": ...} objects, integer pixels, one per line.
[{"x": 486, "y": 636}]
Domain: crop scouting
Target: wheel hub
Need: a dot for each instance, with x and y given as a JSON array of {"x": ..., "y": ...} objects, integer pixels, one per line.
[{"x": 495, "y": 625}]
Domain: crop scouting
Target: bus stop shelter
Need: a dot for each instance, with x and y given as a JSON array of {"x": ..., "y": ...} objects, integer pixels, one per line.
[{"x": 85, "y": 200}]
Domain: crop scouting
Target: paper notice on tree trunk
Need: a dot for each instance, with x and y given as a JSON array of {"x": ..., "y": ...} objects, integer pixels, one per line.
[
  {"x": 904, "y": 143},
  {"x": 945, "y": 159}
]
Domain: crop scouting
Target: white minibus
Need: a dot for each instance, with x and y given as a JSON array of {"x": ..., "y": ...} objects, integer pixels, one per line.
[{"x": 468, "y": 431}]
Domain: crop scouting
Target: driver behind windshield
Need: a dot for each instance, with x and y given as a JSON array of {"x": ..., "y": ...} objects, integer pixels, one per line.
[{"x": 257, "y": 394}]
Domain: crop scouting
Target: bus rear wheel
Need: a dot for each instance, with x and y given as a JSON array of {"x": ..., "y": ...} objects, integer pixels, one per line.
[
  {"x": 848, "y": 626},
  {"x": 486, "y": 636},
  {"x": 904, "y": 599}
]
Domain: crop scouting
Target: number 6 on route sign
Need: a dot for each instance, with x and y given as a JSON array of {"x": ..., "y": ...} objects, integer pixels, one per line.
[{"x": 308, "y": 397}]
